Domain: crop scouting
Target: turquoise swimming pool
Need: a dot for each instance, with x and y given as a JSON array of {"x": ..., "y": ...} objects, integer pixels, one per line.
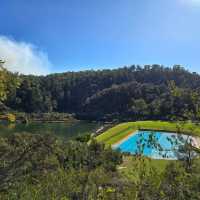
[{"x": 157, "y": 145}]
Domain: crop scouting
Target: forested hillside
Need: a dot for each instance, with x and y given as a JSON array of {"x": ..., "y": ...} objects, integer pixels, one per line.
[{"x": 129, "y": 93}]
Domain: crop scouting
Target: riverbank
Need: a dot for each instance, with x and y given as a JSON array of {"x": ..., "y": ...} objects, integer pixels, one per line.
[
  {"x": 53, "y": 117},
  {"x": 66, "y": 130}
]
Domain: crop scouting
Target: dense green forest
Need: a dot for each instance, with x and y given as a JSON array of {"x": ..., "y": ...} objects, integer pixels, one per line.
[
  {"x": 129, "y": 93},
  {"x": 45, "y": 167}
]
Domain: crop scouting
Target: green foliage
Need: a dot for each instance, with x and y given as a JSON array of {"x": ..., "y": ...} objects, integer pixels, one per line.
[
  {"x": 9, "y": 82},
  {"x": 11, "y": 117},
  {"x": 43, "y": 167},
  {"x": 163, "y": 180},
  {"x": 125, "y": 94},
  {"x": 83, "y": 138}
]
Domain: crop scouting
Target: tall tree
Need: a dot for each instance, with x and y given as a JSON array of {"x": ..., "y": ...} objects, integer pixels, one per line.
[{"x": 8, "y": 82}]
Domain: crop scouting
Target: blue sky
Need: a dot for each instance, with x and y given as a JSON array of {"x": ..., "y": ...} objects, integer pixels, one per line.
[{"x": 75, "y": 35}]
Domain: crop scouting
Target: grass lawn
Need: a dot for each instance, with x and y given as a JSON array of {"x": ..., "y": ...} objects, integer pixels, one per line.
[
  {"x": 117, "y": 133},
  {"x": 131, "y": 167}
]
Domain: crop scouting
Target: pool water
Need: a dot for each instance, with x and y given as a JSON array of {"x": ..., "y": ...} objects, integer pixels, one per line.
[{"x": 157, "y": 145}]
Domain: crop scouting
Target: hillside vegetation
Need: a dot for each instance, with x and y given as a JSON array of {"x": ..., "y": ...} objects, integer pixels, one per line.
[
  {"x": 124, "y": 94},
  {"x": 43, "y": 167}
]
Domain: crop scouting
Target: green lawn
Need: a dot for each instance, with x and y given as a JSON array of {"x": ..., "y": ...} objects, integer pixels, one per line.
[{"x": 115, "y": 134}]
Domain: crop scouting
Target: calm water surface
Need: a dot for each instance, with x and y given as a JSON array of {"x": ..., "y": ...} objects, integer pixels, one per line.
[{"x": 66, "y": 129}]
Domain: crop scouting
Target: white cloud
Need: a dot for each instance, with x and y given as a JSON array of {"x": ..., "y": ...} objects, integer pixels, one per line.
[{"x": 23, "y": 57}]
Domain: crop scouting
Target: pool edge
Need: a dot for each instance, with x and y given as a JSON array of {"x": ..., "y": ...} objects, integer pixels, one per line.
[{"x": 115, "y": 145}]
